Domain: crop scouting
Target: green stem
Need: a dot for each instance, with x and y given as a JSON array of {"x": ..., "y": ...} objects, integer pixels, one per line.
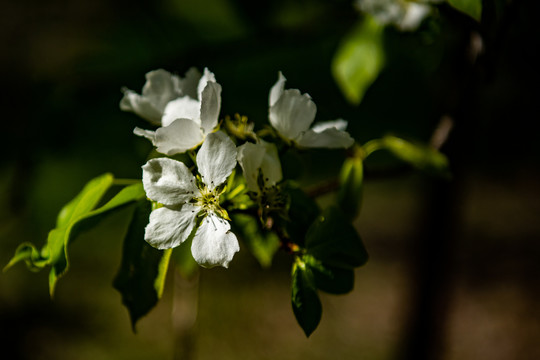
[
  {"x": 372, "y": 146},
  {"x": 267, "y": 131},
  {"x": 236, "y": 191},
  {"x": 323, "y": 188},
  {"x": 192, "y": 156}
]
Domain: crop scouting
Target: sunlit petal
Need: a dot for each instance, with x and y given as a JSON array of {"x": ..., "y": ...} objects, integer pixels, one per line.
[
  {"x": 339, "y": 124},
  {"x": 168, "y": 181},
  {"x": 271, "y": 165},
  {"x": 149, "y": 134},
  {"x": 210, "y": 106},
  {"x": 168, "y": 228},
  {"x": 331, "y": 138},
  {"x": 207, "y": 77},
  {"x": 277, "y": 89},
  {"x": 216, "y": 159},
  {"x": 214, "y": 244},
  {"x": 250, "y": 157},
  {"x": 292, "y": 113},
  {"x": 143, "y": 107},
  {"x": 188, "y": 85},
  {"x": 181, "y": 108},
  {"x": 161, "y": 87},
  {"x": 180, "y": 136}
]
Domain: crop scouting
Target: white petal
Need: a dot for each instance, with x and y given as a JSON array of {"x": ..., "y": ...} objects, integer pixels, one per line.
[
  {"x": 149, "y": 134},
  {"x": 210, "y": 106},
  {"x": 182, "y": 108},
  {"x": 330, "y": 138},
  {"x": 262, "y": 156},
  {"x": 213, "y": 243},
  {"x": 168, "y": 182},
  {"x": 277, "y": 89},
  {"x": 161, "y": 87},
  {"x": 207, "y": 76},
  {"x": 292, "y": 113},
  {"x": 250, "y": 157},
  {"x": 188, "y": 85},
  {"x": 414, "y": 14},
  {"x": 141, "y": 106},
  {"x": 169, "y": 228},
  {"x": 178, "y": 137},
  {"x": 271, "y": 165},
  {"x": 339, "y": 124},
  {"x": 216, "y": 159}
]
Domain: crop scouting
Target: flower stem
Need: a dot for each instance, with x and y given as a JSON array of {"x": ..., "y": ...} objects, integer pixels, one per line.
[
  {"x": 372, "y": 146},
  {"x": 236, "y": 191},
  {"x": 323, "y": 189}
]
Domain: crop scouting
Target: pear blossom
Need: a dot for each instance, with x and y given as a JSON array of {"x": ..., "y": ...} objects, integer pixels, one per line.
[
  {"x": 160, "y": 88},
  {"x": 187, "y": 109},
  {"x": 259, "y": 158},
  {"x": 292, "y": 113},
  {"x": 405, "y": 15},
  {"x": 191, "y": 205}
]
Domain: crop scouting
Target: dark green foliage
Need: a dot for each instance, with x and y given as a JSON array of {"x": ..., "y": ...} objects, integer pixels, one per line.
[
  {"x": 141, "y": 276},
  {"x": 305, "y": 300},
  {"x": 332, "y": 250},
  {"x": 302, "y": 212},
  {"x": 351, "y": 186},
  {"x": 328, "y": 278},
  {"x": 332, "y": 240}
]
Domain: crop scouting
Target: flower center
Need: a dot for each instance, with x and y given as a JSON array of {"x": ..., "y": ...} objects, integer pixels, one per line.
[
  {"x": 240, "y": 127},
  {"x": 209, "y": 202}
]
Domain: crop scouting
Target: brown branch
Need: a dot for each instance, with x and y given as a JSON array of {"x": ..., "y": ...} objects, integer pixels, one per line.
[{"x": 323, "y": 188}]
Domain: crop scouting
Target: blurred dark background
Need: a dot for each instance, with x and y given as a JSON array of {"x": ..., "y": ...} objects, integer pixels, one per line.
[{"x": 454, "y": 269}]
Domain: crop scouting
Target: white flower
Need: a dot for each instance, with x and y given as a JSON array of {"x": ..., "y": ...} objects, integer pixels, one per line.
[
  {"x": 190, "y": 205},
  {"x": 260, "y": 157},
  {"x": 186, "y": 120},
  {"x": 292, "y": 113},
  {"x": 160, "y": 88},
  {"x": 405, "y": 15}
]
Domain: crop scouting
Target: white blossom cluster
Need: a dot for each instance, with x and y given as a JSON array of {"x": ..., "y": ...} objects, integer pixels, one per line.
[{"x": 186, "y": 113}]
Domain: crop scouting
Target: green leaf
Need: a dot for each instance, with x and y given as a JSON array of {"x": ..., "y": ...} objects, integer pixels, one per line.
[
  {"x": 261, "y": 243},
  {"x": 351, "y": 186},
  {"x": 141, "y": 277},
  {"x": 53, "y": 251},
  {"x": 32, "y": 257},
  {"x": 473, "y": 8},
  {"x": 330, "y": 279},
  {"x": 76, "y": 216},
  {"x": 420, "y": 156},
  {"x": 359, "y": 59},
  {"x": 302, "y": 211},
  {"x": 83, "y": 218},
  {"x": 332, "y": 240},
  {"x": 86, "y": 200},
  {"x": 306, "y": 305}
]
